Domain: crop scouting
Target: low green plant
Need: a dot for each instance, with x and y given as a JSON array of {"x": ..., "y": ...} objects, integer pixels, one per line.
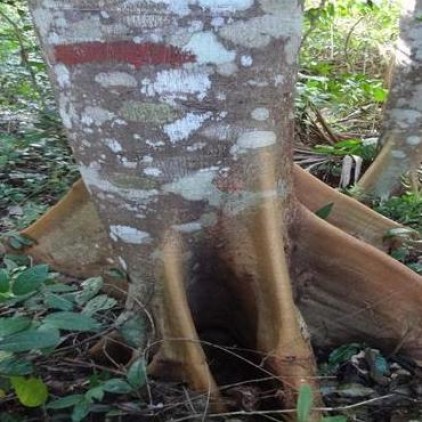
[
  {"x": 304, "y": 407},
  {"x": 40, "y": 318}
]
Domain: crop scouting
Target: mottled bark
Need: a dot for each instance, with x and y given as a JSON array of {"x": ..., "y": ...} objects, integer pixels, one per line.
[
  {"x": 169, "y": 106},
  {"x": 401, "y": 140}
]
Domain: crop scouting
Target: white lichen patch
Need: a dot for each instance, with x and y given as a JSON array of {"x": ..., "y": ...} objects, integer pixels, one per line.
[
  {"x": 93, "y": 178},
  {"x": 181, "y": 7},
  {"x": 130, "y": 235},
  {"x": 260, "y": 114},
  {"x": 208, "y": 50},
  {"x": 236, "y": 203},
  {"x": 258, "y": 32},
  {"x": 115, "y": 79},
  {"x": 182, "y": 129},
  {"x": 113, "y": 145},
  {"x": 397, "y": 153},
  {"x": 227, "y": 69},
  {"x": 405, "y": 117},
  {"x": 67, "y": 111},
  {"x": 254, "y": 140},
  {"x": 84, "y": 30},
  {"x": 196, "y": 187},
  {"x": 218, "y": 6},
  {"x": 191, "y": 227},
  {"x": 246, "y": 61},
  {"x": 177, "y": 83},
  {"x": 62, "y": 75},
  {"x": 221, "y": 131},
  {"x": 413, "y": 140},
  {"x": 155, "y": 144},
  {"x": 152, "y": 171},
  {"x": 96, "y": 115},
  {"x": 196, "y": 146}
]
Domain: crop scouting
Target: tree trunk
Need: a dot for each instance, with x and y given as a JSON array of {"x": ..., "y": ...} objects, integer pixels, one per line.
[
  {"x": 177, "y": 112},
  {"x": 402, "y": 137}
]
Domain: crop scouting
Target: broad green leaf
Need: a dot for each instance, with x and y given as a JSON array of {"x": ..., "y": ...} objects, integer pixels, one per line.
[
  {"x": 91, "y": 288},
  {"x": 96, "y": 393},
  {"x": 132, "y": 328},
  {"x": 325, "y": 211},
  {"x": 13, "y": 366},
  {"x": 30, "y": 340},
  {"x": 343, "y": 353},
  {"x": 98, "y": 303},
  {"x": 304, "y": 403},
  {"x": 81, "y": 410},
  {"x": 30, "y": 280},
  {"x": 117, "y": 386},
  {"x": 4, "y": 281},
  {"x": 12, "y": 325},
  {"x": 31, "y": 392},
  {"x": 58, "y": 302},
  {"x": 136, "y": 375},
  {"x": 65, "y": 402},
  {"x": 71, "y": 321},
  {"x": 60, "y": 288}
]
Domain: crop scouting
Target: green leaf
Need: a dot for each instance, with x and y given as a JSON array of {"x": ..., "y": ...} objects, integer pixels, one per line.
[
  {"x": 31, "y": 392},
  {"x": 91, "y": 288},
  {"x": 304, "y": 403},
  {"x": 96, "y": 393},
  {"x": 30, "y": 280},
  {"x": 325, "y": 211},
  {"x": 132, "y": 328},
  {"x": 136, "y": 375},
  {"x": 71, "y": 321},
  {"x": 12, "y": 325},
  {"x": 343, "y": 353},
  {"x": 60, "y": 288},
  {"x": 13, "y": 366},
  {"x": 30, "y": 340},
  {"x": 81, "y": 410},
  {"x": 338, "y": 418},
  {"x": 58, "y": 302},
  {"x": 4, "y": 281},
  {"x": 65, "y": 402},
  {"x": 117, "y": 386},
  {"x": 98, "y": 303}
]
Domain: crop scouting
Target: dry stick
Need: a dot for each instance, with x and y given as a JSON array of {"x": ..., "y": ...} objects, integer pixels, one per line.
[
  {"x": 349, "y": 35},
  {"x": 332, "y": 138}
]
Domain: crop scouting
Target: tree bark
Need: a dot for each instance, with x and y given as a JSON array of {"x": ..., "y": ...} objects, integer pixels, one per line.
[
  {"x": 402, "y": 137},
  {"x": 170, "y": 107}
]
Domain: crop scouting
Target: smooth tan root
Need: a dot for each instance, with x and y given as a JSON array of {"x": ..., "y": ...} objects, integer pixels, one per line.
[
  {"x": 255, "y": 253},
  {"x": 351, "y": 291},
  {"x": 383, "y": 178},
  {"x": 347, "y": 213},
  {"x": 181, "y": 355},
  {"x": 71, "y": 236}
]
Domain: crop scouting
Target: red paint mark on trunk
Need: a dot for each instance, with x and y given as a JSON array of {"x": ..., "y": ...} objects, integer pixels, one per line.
[{"x": 122, "y": 51}]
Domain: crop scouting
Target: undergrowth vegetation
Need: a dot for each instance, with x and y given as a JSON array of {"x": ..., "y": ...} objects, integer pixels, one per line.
[{"x": 49, "y": 323}]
